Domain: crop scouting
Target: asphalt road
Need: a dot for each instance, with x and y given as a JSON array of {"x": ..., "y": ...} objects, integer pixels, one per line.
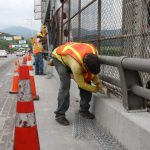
[{"x": 7, "y": 103}]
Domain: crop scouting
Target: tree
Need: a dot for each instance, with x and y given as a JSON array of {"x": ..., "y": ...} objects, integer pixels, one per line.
[{"x": 4, "y": 44}]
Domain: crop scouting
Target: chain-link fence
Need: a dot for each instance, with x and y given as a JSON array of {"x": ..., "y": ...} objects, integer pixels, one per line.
[
  {"x": 115, "y": 27},
  {"x": 37, "y": 9}
]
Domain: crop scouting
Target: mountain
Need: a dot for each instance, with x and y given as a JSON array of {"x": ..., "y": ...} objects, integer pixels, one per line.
[
  {"x": 92, "y": 34},
  {"x": 85, "y": 32},
  {"x": 5, "y": 34},
  {"x": 18, "y": 30}
]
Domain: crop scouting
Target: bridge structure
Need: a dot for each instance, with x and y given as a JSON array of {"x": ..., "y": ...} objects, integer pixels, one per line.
[{"x": 120, "y": 31}]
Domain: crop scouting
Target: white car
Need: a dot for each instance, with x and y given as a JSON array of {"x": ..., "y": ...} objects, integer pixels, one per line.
[
  {"x": 19, "y": 53},
  {"x": 3, "y": 53}
]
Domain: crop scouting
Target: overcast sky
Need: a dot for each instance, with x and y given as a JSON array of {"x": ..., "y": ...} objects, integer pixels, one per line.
[{"x": 18, "y": 13}]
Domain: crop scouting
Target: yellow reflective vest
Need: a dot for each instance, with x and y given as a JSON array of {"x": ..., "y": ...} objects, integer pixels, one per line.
[
  {"x": 37, "y": 47},
  {"x": 77, "y": 51}
]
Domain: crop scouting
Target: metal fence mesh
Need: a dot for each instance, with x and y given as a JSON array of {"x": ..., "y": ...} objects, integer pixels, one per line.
[
  {"x": 37, "y": 9},
  {"x": 115, "y": 27},
  {"x": 89, "y": 22}
]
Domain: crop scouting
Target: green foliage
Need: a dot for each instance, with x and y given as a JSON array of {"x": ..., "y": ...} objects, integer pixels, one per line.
[
  {"x": 13, "y": 49},
  {"x": 29, "y": 42},
  {"x": 5, "y": 45}
]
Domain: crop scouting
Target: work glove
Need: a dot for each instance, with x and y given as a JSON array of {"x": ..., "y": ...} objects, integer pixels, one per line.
[{"x": 104, "y": 91}]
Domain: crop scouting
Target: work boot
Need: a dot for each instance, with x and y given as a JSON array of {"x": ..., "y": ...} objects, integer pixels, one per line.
[
  {"x": 63, "y": 121},
  {"x": 41, "y": 73},
  {"x": 87, "y": 115}
]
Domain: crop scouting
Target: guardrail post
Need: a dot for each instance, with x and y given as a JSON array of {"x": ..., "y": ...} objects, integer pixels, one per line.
[{"x": 128, "y": 79}]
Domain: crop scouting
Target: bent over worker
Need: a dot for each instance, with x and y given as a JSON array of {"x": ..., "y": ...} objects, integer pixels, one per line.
[
  {"x": 81, "y": 60},
  {"x": 38, "y": 54}
]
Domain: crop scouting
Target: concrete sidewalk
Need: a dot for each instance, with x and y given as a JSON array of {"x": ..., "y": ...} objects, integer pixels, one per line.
[{"x": 53, "y": 136}]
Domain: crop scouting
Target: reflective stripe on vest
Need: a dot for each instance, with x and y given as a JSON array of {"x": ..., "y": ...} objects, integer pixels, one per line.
[
  {"x": 92, "y": 48},
  {"x": 71, "y": 48},
  {"x": 78, "y": 51},
  {"x": 37, "y": 47}
]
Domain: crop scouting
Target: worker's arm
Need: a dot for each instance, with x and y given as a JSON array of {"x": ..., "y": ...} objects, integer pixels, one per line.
[
  {"x": 77, "y": 71},
  {"x": 84, "y": 85},
  {"x": 78, "y": 76},
  {"x": 97, "y": 81}
]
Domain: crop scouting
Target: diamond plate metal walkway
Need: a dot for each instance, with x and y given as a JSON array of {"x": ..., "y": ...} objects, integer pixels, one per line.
[{"x": 88, "y": 129}]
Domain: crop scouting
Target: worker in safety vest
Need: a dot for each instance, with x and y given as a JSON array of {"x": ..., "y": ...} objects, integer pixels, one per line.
[
  {"x": 81, "y": 60},
  {"x": 44, "y": 31},
  {"x": 38, "y": 54}
]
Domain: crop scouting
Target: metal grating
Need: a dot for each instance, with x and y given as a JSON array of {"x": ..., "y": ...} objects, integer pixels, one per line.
[{"x": 86, "y": 128}]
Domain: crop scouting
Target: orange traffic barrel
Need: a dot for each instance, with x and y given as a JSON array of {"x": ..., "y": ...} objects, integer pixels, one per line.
[
  {"x": 15, "y": 81},
  {"x": 26, "y": 134},
  {"x": 32, "y": 81}
]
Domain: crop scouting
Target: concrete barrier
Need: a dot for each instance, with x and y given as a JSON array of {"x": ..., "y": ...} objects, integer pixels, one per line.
[{"x": 131, "y": 129}]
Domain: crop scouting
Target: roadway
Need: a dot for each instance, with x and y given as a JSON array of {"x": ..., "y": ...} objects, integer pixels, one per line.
[{"x": 7, "y": 103}]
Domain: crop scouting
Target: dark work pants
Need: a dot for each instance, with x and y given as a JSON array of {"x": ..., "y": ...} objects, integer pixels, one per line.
[
  {"x": 38, "y": 63},
  {"x": 63, "y": 94}
]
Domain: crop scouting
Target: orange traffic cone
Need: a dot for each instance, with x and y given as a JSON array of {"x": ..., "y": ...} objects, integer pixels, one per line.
[
  {"x": 31, "y": 72},
  {"x": 15, "y": 82},
  {"x": 25, "y": 135},
  {"x": 24, "y": 60},
  {"x": 29, "y": 61}
]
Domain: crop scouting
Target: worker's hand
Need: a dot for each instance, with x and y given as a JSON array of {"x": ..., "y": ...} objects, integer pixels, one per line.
[
  {"x": 97, "y": 89},
  {"x": 104, "y": 90},
  {"x": 51, "y": 63},
  {"x": 99, "y": 84}
]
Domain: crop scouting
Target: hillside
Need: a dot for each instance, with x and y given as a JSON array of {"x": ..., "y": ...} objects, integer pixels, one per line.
[
  {"x": 25, "y": 32},
  {"x": 5, "y": 34},
  {"x": 104, "y": 33}
]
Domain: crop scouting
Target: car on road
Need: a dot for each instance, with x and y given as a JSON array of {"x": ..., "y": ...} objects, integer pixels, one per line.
[
  {"x": 19, "y": 53},
  {"x": 3, "y": 53}
]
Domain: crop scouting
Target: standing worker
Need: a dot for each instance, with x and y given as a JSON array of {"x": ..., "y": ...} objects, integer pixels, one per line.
[
  {"x": 81, "y": 60},
  {"x": 38, "y": 54}
]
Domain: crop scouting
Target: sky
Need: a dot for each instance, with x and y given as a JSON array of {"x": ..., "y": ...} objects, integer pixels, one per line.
[
  {"x": 21, "y": 13},
  {"x": 18, "y": 13}
]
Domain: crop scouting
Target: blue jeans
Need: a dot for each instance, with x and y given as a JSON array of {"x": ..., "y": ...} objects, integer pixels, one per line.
[
  {"x": 64, "y": 95},
  {"x": 38, "y": 63}
]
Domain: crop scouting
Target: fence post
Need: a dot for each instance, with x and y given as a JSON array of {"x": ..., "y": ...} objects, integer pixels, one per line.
[{"x": 128, "y": 79}]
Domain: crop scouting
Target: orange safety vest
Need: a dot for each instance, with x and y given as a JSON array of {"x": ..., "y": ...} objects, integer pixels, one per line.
[
  {"x": 78, "y": 52},
  {"x": 37, "y": 47}
]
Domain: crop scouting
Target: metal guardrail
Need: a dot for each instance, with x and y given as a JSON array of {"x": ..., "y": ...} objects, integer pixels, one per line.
[{"x": 133, "y": 91}]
